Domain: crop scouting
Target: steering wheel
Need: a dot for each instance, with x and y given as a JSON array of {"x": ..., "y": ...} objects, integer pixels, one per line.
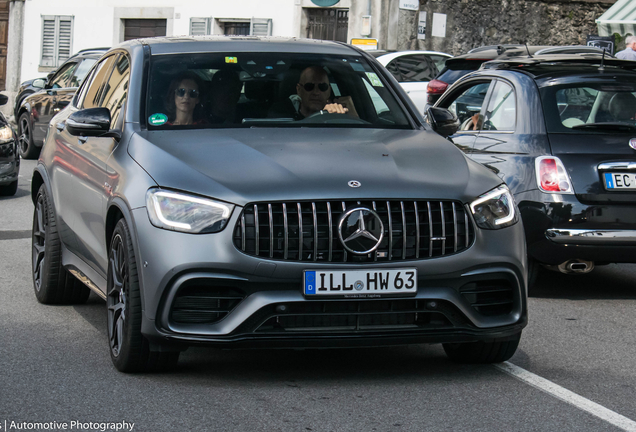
[
  {"x": 326, "y": 117},
  {"x": 467, "y": 124}
]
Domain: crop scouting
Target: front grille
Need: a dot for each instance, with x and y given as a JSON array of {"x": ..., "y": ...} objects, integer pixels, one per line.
[
  {"x": 360, "y": 316},
  {"x": 489, "y": 297},
  {"x": 200, "y": 304},
  {"x": 308, "y": 231}
]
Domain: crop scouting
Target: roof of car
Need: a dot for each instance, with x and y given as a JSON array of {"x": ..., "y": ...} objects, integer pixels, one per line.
[
  {"x": 546, "y": 68},
  {"x": 196, "y": 44},
  {"x": 536, "y": 64},
  {"x": 508, "y": 51}
]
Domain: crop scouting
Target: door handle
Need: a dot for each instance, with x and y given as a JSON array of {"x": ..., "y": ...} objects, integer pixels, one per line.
[
  {"x": 82, "y": 139},
  {"x": 60, "y": 126}
]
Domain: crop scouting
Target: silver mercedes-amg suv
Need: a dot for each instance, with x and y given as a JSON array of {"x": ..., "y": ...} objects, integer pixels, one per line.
[{"x": 245, "y": 192}]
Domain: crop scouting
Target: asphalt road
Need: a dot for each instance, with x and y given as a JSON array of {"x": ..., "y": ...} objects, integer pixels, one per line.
[{"x": 55, "y": 367}]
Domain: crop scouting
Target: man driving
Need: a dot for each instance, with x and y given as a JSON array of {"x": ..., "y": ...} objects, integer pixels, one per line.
[{"x": 313, "y": 93}]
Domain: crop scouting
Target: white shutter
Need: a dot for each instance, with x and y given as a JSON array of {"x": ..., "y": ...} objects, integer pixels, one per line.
[
  {"x": 261, "y": 27},
  {"x": 48, "y": 41},
  {"x": 57, "y": 40},
  {"x": 199, "y": 26},
  {"x": 65, "y": 39}
]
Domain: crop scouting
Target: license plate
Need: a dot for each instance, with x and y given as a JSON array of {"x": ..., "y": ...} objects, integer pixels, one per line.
[
  {"x": 360, "y": 283},
  {"x": 622, "y": 181}
]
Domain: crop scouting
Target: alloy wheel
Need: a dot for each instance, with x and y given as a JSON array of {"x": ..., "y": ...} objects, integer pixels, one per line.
[
  {"x": 40, "y": 223},
  {"x": 24, "y": 140},
  {"x": 117, "y": 294}
]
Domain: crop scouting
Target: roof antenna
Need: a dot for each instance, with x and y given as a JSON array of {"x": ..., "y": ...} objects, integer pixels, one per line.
[
  {"x": 602, "y": 66},
  {"x": 528, "y": 50}
]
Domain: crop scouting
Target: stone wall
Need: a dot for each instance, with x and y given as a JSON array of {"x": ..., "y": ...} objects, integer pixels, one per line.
[{"x": 473, "y": 23}]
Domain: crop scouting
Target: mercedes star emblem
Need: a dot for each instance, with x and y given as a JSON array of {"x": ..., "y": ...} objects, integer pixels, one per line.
[
  {"x": 354, "y": 184},
  {"x": 632, "y": 143},
  {"x": 360, "y": 230}
]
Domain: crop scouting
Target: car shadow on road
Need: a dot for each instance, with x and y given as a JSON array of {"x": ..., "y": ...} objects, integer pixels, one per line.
[
  {"x": 611, "y": 282},
  {"x": 344, "y": 365}
]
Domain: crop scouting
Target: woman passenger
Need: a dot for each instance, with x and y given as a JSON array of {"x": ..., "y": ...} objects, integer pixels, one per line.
[{"x": 183, "y": 99}]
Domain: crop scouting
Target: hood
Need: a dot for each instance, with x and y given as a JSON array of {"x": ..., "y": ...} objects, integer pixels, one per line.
[{"x": 289, "y": 164}]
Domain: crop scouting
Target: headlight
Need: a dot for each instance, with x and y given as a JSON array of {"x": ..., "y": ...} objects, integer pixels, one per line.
[
  {"x": 495, "y": 209},
  {"x": 186, "y": 213},
  {"x": 6, "y": 134}
]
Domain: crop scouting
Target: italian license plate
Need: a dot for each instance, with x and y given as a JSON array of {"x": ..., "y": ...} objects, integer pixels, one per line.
[
  {"x": 360, "y": 283},
  {"x": 622, "y": 181}
]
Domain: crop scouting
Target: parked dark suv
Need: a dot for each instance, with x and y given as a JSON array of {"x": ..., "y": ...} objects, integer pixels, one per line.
[
  {"x": 561, "y": 132},
  {"x": 40, "y": 99},
  {"x": 461, "y": 65},
  {"x": 215, "y": 191}
]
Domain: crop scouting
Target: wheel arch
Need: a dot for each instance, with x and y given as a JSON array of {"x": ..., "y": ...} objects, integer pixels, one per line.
[
  {"x": 118, "y": 209},
  {"x": 39, "y": 178}
]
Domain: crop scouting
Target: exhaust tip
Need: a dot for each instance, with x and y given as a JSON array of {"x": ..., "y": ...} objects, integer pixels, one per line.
[{"x": 576, "y": 266}]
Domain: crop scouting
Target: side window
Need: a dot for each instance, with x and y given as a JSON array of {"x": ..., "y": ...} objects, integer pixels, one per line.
[
  {"x": 95, "y": 91},
  {"x": 467, "y": 104},
  {"x": 81, "y": 71},
  {"x": 116, "y": 91},
  {"x": 501, "y": 113},
  {"x": 413, "y": 68},
  {"x": 62, "y": 78},
  {"x": 81, "y": 93},
  {"x": 440, "y": 61}
]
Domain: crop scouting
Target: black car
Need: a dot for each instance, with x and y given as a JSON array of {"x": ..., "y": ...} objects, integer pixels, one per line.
[
  {"x": 40, "y": 99},
  {"x": 9, "y": 156},
  {"x": 461, "y": 65},
  {"x": 561, "y": 132},
  {"x": 277, "y": 220}
]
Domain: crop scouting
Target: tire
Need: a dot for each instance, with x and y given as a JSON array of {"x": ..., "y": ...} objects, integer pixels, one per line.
[
  {"x": 129, "y": 350},
  {"x": 491, "y": 351},
  {"x": 533, "y": 273},
  {"x": 26, "y": 146},
  {"x": 10, "y": 189},
  {"x": 52, "y": 283}
]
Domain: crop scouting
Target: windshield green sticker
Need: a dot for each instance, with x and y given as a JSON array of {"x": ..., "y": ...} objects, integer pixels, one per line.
[
  {"x": 157, "y": 119},
  {"x": 375, "y": 81}
]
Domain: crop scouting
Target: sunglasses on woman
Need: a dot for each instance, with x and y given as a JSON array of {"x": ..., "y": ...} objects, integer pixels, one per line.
[
  {"x": 181, "y": 92},
  {"x": 323, "y": 87}
]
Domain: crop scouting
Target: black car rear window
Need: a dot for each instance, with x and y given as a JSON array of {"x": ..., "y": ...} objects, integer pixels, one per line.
[
  {"x": 455, "y": 69},
  {"x": 590, "y": 107},
  {"x": 262, "y": 89}
]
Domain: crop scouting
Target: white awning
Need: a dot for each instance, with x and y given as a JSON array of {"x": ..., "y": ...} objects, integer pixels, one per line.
[{"x": 620, "y": 18}]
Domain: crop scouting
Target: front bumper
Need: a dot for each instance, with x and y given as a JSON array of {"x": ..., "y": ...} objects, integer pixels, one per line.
[{"x": 474, "y": 295}]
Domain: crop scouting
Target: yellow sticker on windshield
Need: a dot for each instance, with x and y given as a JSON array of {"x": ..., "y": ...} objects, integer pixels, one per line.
[
  {"x": 231, "y": 60},
  {"x": 375, "y": 80}
]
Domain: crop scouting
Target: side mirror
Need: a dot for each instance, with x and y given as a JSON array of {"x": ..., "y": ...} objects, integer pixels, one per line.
[
  {"x": 89, "y": 122},
  {"x": 3, "y": 99},
  {"x": 442, "y": 121},
  {"x": 38, "y": 83}
]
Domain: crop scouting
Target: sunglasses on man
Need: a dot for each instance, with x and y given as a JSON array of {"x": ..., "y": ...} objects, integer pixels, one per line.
[
  {"x": 323, "y": 87},
  {"x": 181, "y": 92}
]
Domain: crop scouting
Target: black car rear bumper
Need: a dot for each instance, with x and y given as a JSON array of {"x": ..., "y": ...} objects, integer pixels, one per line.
[{"x": 559, "y": 228}]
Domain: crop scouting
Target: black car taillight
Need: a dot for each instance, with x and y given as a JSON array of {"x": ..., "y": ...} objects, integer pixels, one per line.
[{"x": 435, "y": 89}]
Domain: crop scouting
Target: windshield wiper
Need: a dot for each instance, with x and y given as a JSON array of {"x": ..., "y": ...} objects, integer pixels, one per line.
[{"x": 622, "y": 126}]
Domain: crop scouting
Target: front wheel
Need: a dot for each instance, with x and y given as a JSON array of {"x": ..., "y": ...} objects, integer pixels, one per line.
[
  {"x": 129, "y": 350},
  {"x": 488, "y": 351}
]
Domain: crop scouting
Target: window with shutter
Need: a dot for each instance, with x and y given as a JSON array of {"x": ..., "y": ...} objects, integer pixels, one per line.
[
  {"x": 199, "y": 26},
  {"x": 57, "y": 39},
  {"x": 261, "y": 27}
]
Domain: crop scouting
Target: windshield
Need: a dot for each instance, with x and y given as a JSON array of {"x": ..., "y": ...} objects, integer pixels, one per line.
[
  {"x": 590, "y": 107},
  {"x": 215, "y": 90}
]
